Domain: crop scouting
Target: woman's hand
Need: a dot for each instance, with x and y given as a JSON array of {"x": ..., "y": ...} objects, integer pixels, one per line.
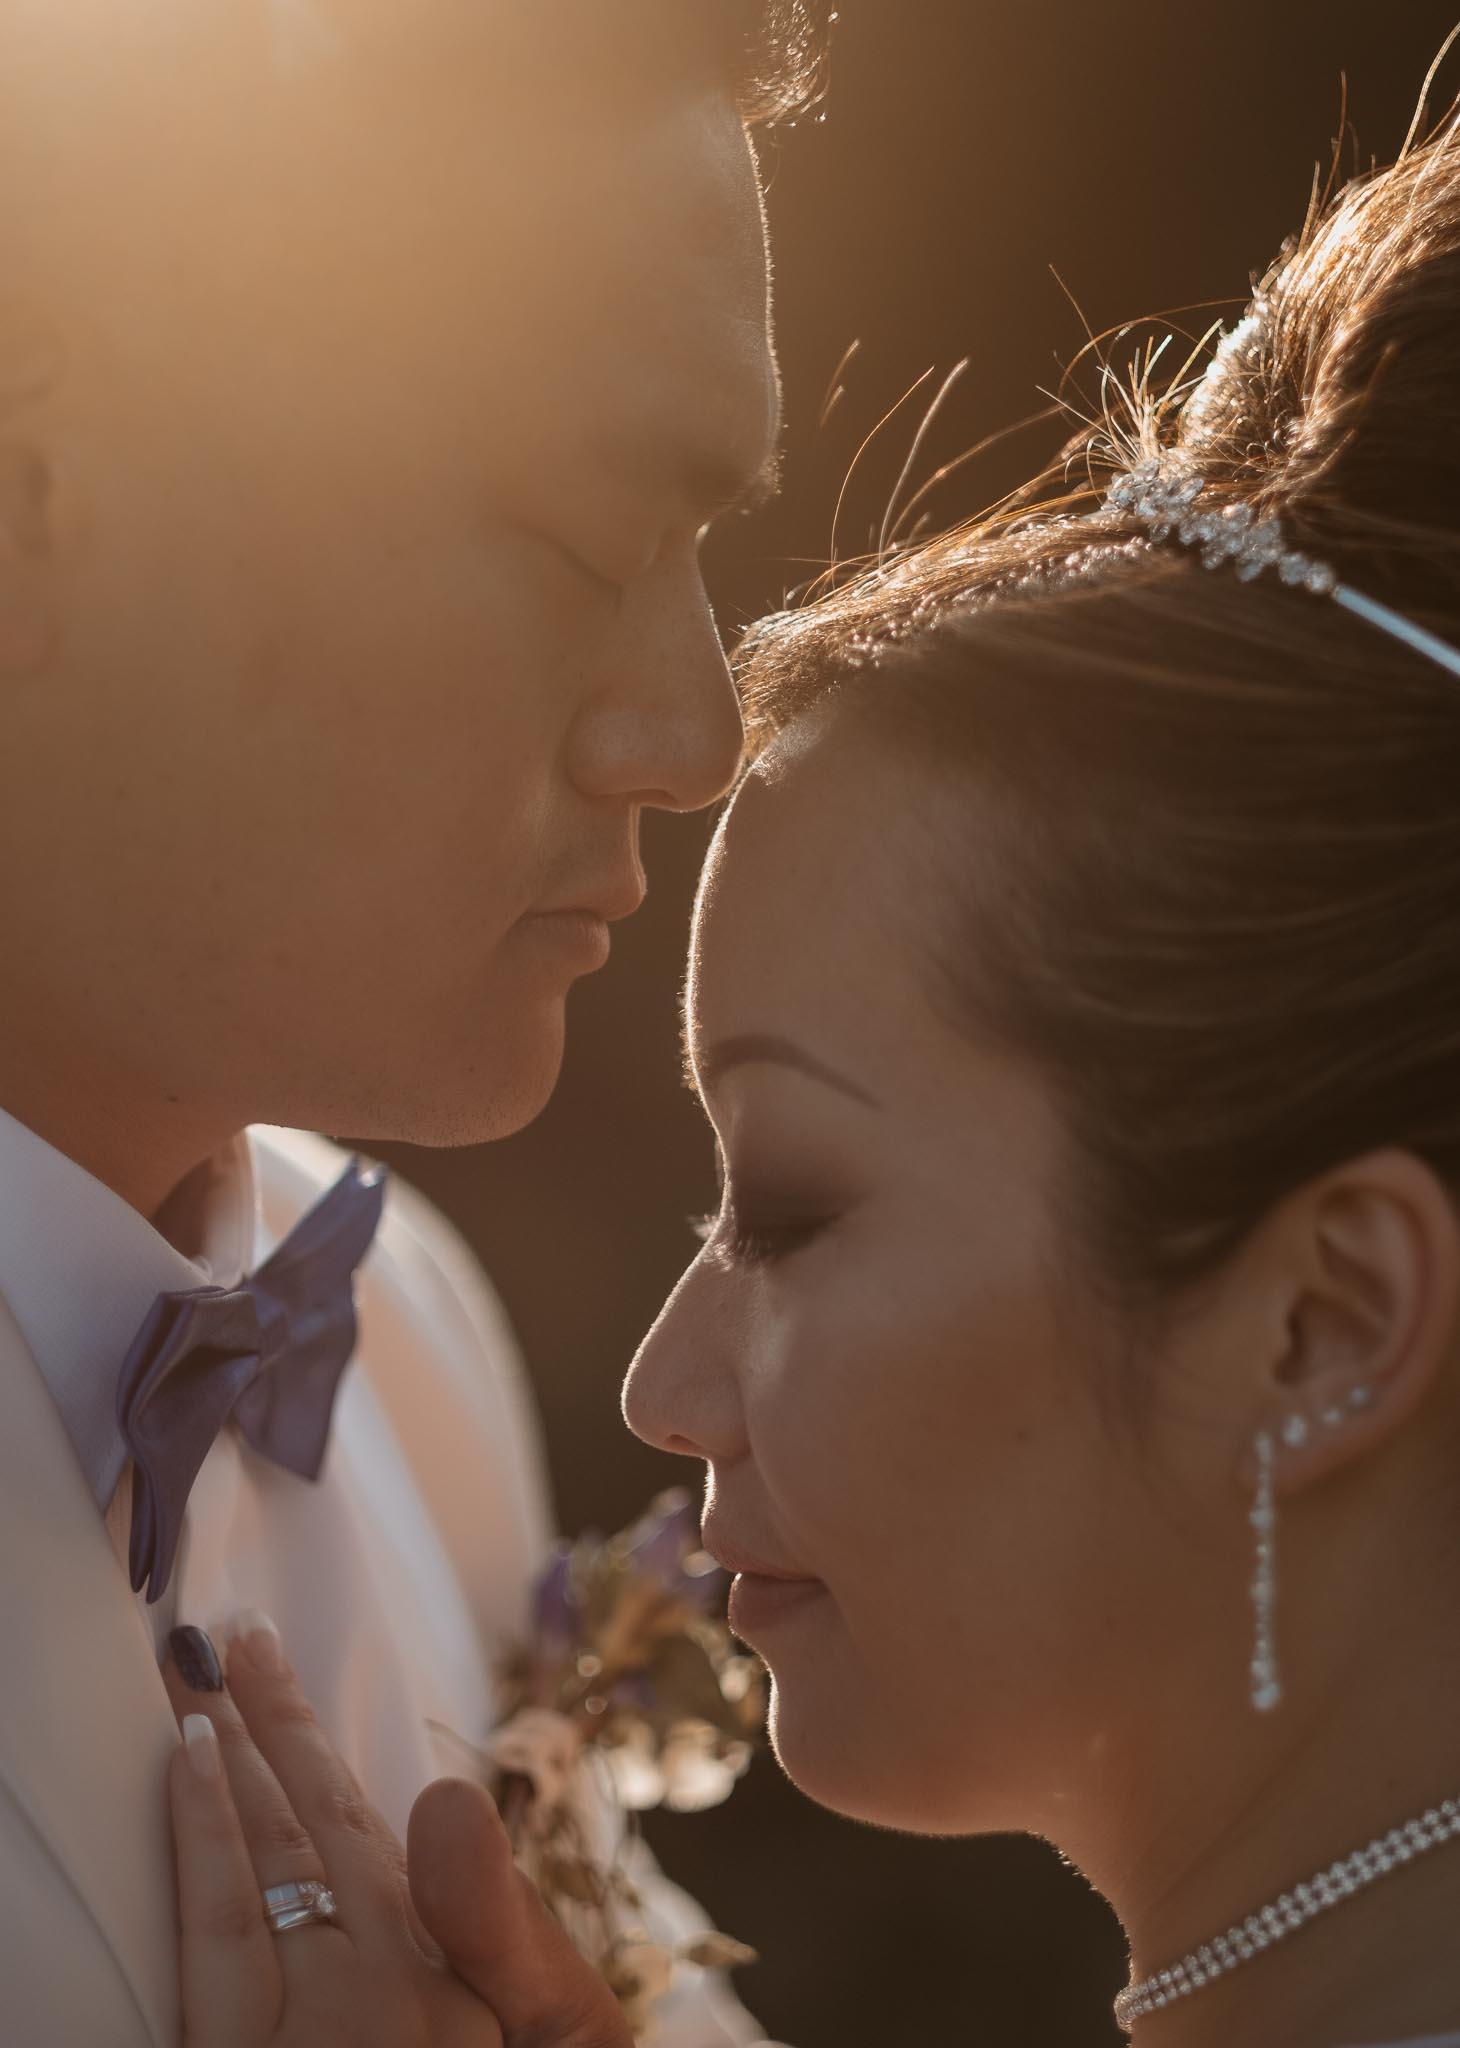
[{"x": 451, "y": 1949}]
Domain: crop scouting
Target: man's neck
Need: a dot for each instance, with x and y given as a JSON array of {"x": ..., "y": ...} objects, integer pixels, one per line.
[{"x": 142, "y": 1149}]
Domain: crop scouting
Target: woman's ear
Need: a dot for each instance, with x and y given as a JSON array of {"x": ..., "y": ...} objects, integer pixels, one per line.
[{"x": 1369, "y": 1257}]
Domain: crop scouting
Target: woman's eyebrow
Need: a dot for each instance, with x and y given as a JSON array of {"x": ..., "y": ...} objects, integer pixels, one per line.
[{"x": 754, "y": 1048}]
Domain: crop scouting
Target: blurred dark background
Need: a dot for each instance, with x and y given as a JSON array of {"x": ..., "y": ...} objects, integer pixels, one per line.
[{"x": 1155, "y": 157}]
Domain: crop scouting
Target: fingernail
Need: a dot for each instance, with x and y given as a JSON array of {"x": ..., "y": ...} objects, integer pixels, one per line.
[
  {"x": 201, "y": 1738},
  {"x": 260, "y": 1637},
  {"x": 196, "y": 1660}
]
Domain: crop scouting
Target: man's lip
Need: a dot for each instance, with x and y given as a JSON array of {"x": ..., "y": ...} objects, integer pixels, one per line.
[
  {"x": 612, "y": 905},
  {"x": 734, "y": 1557}
]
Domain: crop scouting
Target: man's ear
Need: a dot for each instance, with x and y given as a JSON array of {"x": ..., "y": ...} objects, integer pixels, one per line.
[
  {"x": 26, "y": 559},
  {"x": 30, "y": 369},
  {"x": 1370, "y": 1261}
]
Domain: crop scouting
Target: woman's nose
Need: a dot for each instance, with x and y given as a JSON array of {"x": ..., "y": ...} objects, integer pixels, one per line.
[
  {"x": 666, "y": 732},
  {"x": 681, "y": 1394}
]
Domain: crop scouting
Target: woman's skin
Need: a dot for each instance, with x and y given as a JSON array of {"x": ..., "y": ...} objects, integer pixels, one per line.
[
  {"x": 441, "y": 1945},
  {"x": 1014, "y": 1594},
  {"x": 1020, "y": 1593}
]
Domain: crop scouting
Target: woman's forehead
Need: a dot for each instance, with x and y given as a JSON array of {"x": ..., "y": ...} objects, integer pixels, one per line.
[{"x": 808, "y": 895}]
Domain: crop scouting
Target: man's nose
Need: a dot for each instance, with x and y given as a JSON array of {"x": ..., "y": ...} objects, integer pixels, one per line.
[{"x": 665, "y": 730}]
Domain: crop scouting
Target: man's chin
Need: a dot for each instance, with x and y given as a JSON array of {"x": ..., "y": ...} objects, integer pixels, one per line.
[
  {"x": 492, "y": 1093},
  {"x": 498, "y": 1112}
]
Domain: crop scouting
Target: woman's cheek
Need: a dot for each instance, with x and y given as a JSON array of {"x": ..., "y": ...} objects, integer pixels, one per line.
[{"x": 835, "y": 1417}]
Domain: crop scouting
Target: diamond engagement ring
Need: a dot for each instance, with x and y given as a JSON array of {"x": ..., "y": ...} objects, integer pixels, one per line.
[{"x": 296, "y": 1905}]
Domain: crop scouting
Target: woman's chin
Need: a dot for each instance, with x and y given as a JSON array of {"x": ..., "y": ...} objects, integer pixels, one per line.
[
  {"x": 865, "y": 1766},
  {"x": 846, "y": 1768}
]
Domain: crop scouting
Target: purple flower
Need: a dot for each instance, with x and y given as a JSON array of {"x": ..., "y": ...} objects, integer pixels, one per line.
[
  {"x": 704, "y": 1584},
  {"x": 636, "y": 1692},
  {"x": 664, "y": 1546},
  {"x": 657, "y": 1545},
  {"x": 556, "y": 1618}
]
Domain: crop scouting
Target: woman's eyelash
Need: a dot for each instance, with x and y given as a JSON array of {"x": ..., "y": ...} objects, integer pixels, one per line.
[{"x": 746, "y": 1244}]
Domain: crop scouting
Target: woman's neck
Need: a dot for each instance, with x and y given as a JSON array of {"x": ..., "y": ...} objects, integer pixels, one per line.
[
  {"x": 1378, "y": 1968},
  {"x": 1375, "y": 1967}
]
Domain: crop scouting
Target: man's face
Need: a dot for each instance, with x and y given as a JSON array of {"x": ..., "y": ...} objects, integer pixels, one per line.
[{"x": 385, "y": 394}]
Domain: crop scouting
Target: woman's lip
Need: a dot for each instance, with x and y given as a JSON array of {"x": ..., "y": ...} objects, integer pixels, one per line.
[
  {"x": 758, "y": 1603},
  {"x": 762, "y": 1594}
]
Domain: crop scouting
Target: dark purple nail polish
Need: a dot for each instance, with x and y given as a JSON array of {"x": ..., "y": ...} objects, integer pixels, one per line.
[{"x": 196, "y": 1660}]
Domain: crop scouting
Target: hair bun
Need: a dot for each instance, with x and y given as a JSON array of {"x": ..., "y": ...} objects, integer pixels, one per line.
[
  {"x": 1231, "y": 422},
  {"x": 1337, "y": 399}
]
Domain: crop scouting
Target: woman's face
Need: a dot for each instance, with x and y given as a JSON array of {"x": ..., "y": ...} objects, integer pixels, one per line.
[{"x": 886, "y": 1357}]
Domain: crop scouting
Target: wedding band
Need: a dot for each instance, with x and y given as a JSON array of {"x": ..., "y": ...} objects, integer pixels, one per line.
[{"x": 295, "y": 1905}]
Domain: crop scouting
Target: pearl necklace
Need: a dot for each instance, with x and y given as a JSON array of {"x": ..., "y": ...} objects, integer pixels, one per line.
[{"x": 1247, "y": 1938}]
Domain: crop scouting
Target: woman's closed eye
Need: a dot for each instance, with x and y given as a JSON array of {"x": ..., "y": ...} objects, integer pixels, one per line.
[{"x": 745, "y": 1239}]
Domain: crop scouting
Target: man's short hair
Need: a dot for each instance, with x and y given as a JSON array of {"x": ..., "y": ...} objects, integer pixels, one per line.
[
  {"x": 782, "y": 53},
  {"x": 773, "y": 52}
]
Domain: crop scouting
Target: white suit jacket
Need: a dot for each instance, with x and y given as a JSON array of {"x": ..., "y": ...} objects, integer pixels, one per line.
[{"x": 393, "y": 1579}]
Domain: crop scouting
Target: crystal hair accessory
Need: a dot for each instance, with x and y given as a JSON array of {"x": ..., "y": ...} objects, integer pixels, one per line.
[{"x": 1163, "y": 494}]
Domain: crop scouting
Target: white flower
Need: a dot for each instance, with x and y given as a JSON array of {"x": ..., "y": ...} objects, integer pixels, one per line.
[
  {"x": 541, "y": 1746},
  {"x": 700, "y": 1769},
  {"x": 633, "y": 1766},
  {"x": 639, "y": 1972}
]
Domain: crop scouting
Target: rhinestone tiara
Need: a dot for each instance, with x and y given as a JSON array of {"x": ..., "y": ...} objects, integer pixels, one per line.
[{"x": 1163, "y": 494}]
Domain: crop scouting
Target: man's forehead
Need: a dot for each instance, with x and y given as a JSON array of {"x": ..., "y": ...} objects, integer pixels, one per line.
[
  {"x": 108, "y": 102},
  {"x": 586, "y": 290},
  {"x": 512, "y": 59},
  {"x": 304, "y": 35},
  {"x": 645, "y": 324}
]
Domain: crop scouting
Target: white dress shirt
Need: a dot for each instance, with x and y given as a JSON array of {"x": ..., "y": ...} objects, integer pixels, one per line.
[
  {"x": 396, "y": 1579},
  {"x": 80, "y": 1269}
]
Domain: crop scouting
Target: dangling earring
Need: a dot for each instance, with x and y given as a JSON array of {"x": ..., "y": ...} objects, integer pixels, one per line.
[
  {"x": 1267, "y": 1686},
  {"x": 1266, "y": 1689}
]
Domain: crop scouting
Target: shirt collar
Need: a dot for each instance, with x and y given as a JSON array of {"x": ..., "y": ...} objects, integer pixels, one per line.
[{"x": 80, "y": 1268}]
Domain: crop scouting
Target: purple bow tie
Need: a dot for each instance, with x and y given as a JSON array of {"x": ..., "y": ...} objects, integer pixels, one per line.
[{"x": 269, "y": 1353}]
